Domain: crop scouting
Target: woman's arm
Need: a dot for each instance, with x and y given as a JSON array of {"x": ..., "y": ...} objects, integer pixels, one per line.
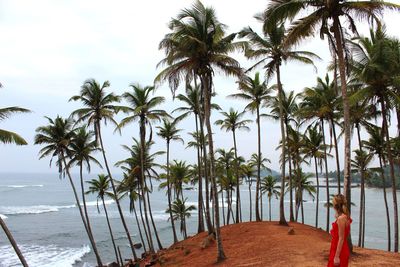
[{"x": 341, "y": 225}]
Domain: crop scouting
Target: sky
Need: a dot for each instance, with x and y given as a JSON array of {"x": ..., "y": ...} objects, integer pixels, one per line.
[{"x": 49, "y": 48}]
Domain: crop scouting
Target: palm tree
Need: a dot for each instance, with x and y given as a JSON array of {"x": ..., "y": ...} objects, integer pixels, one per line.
[
  {"x": 271, "y": 53},
  {"x": 290, "y": 108},
  {"x": 269, "y": 186},
  {"x": 56, "y": 138},
  {"x": 248, "y": 171},
  {"x": 100, "y": 186},
  {"x": 98, "y": 107},
  {"x": 376, "y": 144},
  {"x": 196, "y": 48},
  {"x": 373, "y": 65},
  {"x": 81, "y": 148},
  {"x": 326, "y": 16},
  {"x": 255, "y": 93},
  {"x": 7, "y": 137},
  {"x": 302, "y": 185},
  {"x": 180, "y": 212},
  {"x": 169, "y": 132},
  {"x": 142, "y": 108},
  {"x": 180, "y": 175},
  {"x": 192, "y": 101},
  {"x": 314, "y": 149},
  {"x": 233, "y": 121},
  {"x": 360, "y": 164}
]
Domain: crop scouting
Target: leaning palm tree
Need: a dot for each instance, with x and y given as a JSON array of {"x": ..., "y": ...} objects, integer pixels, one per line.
[
  {"x": 143, "y": 108},
  {"x": 100, "y": 186},
  {"x": 100, "y": 106},
  {"x": 255, "y": 92},
  {"x": 81, "y": 148},
  {"x": 169, "y": 132},
  {"x": 270, "y": 52},
  {"x": 327, "y": 17},
  {"x": 196, "y": 48},
  {"x": 233, "y": 121},
  {"x": 180, "y": 212},
  {"x": 56, "y": 138},
  {"x": 269, "y": 186},
  {"x": 7, "y": 137}
]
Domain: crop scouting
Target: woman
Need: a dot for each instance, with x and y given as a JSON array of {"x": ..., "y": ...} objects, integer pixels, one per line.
[{"x": 340, "y": 252}]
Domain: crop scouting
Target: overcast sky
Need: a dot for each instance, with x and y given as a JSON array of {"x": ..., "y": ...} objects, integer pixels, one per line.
[{"x": 48, "y": 48}]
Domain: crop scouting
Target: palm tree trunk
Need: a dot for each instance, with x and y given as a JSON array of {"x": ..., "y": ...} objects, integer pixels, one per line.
[
  {"x": 111, "y": 233},
  {"x": 251, "y": 208},
  {"x": 261, "y": 205},
  {"x": 81, "y": 212},
  {"x": 223, "y": 205},
  {"x": 346, "y": 112},
  {"x": 291, "y": 216},
  {"x": 257, "y": 197},
  {"x": 89, "y": 228},
  {"x": 152, "y": 222},
  {"x": 362, "y": 196},
  {"x": 386, "y": 202},
  {"x": 169, "y": 198},
  {"x": 317, "y": 207},
  {"x": 206, "y": 84},
  {"x": 228, "y": 214},
  {"x": 302, "y": 208},
  {"x": 210, "y": 226},
  {"x": 337, "y": 155},
  {"x": 143, "y": 223},
  {"x": 385, "y": 132},
  {"x": 200, "y": 227},
  {"x": 282, "y": 219},
  {"x": 116, "y": 195},
  {"x": 269, "y": 206},
  {"x": 138, "y": 225},
  {"x": 326, "y": 177},
  {"x": 238, "y": 204},
  {"x": 143, "y": 177},
  {"x": 13, "y": 243}
]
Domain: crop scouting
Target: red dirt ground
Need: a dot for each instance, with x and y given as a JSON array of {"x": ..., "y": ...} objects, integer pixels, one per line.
[{"x": 267, "y": 244}]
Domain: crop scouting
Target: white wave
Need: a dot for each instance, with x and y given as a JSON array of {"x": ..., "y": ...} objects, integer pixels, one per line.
[
  {"x": 22, "y": 185},
  {"x": 16, "y": 210},
  {"x": 43, "y": 256},
  {"x": 94, "y": 203},
  {"x": 3, "y": 216}
]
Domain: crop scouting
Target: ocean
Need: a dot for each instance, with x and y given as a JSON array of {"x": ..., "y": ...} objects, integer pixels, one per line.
[{"x": 40, "y": 212}]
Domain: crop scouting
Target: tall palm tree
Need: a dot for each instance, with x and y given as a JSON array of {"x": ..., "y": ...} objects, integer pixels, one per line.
[
  {"x": 180, "y": 175},
  {"x": 180, "y": 212},
  {"x": 233, "y": 121},
  {"x": 269, "y": 186},
  {"x": 270, "y": 52},
  {"x": 373, "y": 65},
  {"x": 192, "y": 101},
  {"x": 7, "y": 137},
  {"x": 376, "y": 145},
  {"x": 142, "y": 108},
  {"x": 327, "y": 17},
  {"x": 100, "y": 186},
  {"x": 81, "y": 148},
  {"x": 255, "y": 92},
  {"x": 100, "y": 107},
  {"x": 56, "y": 138},
  {"x": 196, "y": 48},
  {"x": 314, "y": 149},
  {"x": 133, "y": 167},
  {"x": 169, "y": 132},
  {"x": 360, "y": 164},
  {"x": 290, "y": 108}
]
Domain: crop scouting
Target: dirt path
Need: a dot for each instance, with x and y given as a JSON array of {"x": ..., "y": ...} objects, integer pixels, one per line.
[{"x": 267, "y": 244}]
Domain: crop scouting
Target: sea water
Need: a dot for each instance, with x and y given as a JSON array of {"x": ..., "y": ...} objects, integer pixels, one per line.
[{"x": 40, "y": 212}]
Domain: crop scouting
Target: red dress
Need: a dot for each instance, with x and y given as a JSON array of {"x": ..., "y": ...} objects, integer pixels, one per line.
[{"x": 345, "y": 253}]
